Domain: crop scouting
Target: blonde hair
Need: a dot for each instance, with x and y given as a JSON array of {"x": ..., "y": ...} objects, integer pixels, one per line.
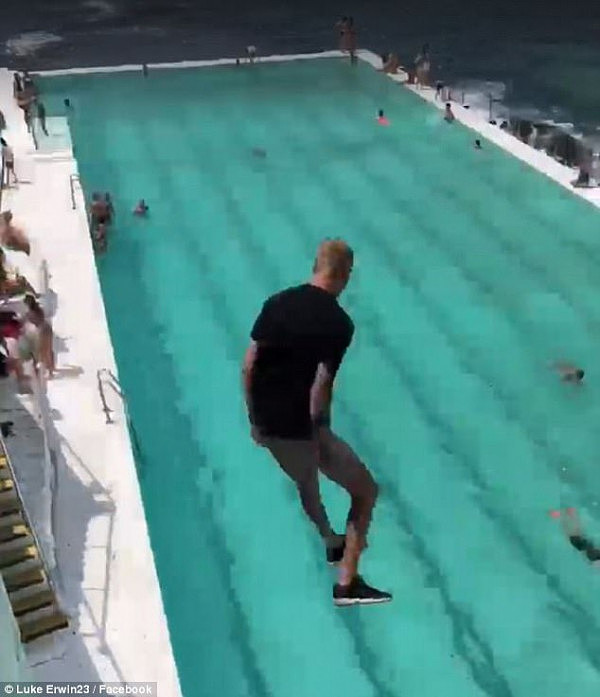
[{"x": 334, "y": 258}]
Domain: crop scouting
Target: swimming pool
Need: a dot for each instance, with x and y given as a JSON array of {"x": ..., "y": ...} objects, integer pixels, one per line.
[{"x": 473, "y": 274}]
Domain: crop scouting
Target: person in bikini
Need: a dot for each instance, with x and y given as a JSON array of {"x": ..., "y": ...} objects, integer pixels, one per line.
[
  {"x": 390, "y": 64},
  {"x": 297, "y": 345}
]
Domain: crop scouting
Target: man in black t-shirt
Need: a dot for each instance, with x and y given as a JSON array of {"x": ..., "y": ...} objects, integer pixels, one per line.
[{"x": 298, "y": 342}]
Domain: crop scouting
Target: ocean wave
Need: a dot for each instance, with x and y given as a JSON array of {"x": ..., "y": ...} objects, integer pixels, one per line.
[
  {"x": 486, "y": 97},
  {"x": 102, "y": 9},
  {"x": 30, "y": 43}
]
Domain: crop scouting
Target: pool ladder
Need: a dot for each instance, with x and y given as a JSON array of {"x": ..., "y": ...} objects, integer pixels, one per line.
[
  {"x": 106, "y": 378},
  {"x": 72, "y": 179}
]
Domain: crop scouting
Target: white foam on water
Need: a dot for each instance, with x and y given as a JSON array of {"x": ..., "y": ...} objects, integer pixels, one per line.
[
  {"x": 30, "y": 43},
  {"x": 477, "y": 93},
  {"x": 102, "y": 9}
]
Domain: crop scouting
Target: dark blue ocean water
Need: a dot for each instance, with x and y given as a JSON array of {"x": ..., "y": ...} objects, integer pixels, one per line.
[{"x": 541, "y": 56}]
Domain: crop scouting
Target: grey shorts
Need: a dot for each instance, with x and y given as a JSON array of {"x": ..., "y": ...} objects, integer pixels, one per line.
[{"x": 327, "y": 453}]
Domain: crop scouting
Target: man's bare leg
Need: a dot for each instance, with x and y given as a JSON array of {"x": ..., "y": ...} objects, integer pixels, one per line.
[
  {"x": 340, "y": 463},
  {"x": 299, "y": 460}
]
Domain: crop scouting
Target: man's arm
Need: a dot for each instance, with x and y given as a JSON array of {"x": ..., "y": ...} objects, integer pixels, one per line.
[
  {"x": 321, "y": 393},
  {"x": 320, "y": 396},
  {"x": 247, "y": 374}
]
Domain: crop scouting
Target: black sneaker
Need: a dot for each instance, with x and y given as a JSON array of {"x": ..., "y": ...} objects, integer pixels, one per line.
[
  {"x": 335, "y": 554},
  {"x": 358, "y": 593}
]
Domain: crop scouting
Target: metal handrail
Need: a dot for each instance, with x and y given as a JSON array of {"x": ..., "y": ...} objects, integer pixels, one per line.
[
  {"x": 115, "y": 385},
  {"x": 73, "y": 178},
  {"x": 105, "y": 408}
]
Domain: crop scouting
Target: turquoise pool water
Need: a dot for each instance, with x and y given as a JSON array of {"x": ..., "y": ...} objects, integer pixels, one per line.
[{"x": 474, "y": 273}]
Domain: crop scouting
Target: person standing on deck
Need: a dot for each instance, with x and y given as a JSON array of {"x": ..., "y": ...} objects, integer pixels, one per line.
[
  {"x": 422, "y": 67},
  {"x": 9, "y": 162},
  {"x": 41, "y": 114},
  {"x": 348, "y": 37},
  {"x": 298, "y": 342}
]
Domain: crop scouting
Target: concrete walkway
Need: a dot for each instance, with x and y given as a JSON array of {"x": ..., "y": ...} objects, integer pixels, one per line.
[{"x": 105, "y": 569}]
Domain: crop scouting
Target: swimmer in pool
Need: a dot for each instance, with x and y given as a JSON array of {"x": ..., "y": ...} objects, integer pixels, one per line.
[
  {"x": 99, "y": 238},
  {"x": 141, "y": 209},
  {"x": 569, "y": 373},
  {"x": 448, "y": 113},
  {"x": 381, "y": 118},
  {"x": 572, "y": 527}
]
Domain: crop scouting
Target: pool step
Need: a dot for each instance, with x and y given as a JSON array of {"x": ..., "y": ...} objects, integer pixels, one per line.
[
  {"x": 32, "y": 598},
  {"x": 9, "y": 501},
  {"x": 31, "y": 595},
  {"x": 4, "y": 471},
  {"x": 40, "y": 622},
  {"x": 15, "y": 552}
]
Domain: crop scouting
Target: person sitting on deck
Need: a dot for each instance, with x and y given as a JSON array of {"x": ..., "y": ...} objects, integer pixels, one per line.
[
  {"x": 448, "y": 113},
  {"x": 11, "y": 283},
  {"x": 11, "y": 236},
  {"x": 390, "y": 64},
  {"x": 141, "y": 209},
  {"x": 583, "y": 180}
]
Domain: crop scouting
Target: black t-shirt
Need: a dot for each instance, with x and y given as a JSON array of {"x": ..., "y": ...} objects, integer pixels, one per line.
[{"x": 296, "y": 330}]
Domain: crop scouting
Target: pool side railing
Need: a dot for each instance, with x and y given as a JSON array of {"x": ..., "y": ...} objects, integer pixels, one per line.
[
  {"x": 105, "y": 377},
  {"x": 72, "y": 179}
]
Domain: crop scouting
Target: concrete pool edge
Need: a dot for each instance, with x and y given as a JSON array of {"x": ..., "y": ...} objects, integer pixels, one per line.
[
  {"x": 181, "y": 65},
  {"x": 106, "y": 573}
]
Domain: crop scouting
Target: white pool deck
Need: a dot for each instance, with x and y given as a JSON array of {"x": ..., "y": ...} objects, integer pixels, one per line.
[{"x": 106, "y": 573}]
